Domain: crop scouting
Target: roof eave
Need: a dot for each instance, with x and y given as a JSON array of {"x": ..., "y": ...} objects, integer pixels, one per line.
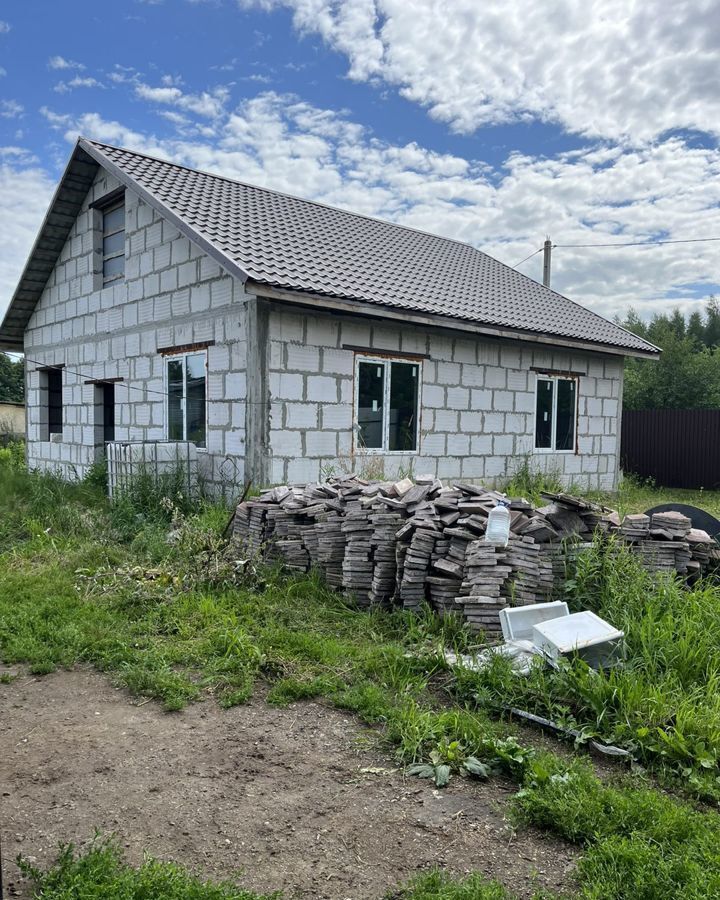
[
  {"x": 41, "y": 260},
  {"x": 434, "y": 320}
]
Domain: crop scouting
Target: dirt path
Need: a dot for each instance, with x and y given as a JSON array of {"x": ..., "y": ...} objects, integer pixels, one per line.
[{"x": 280, "y": 797}]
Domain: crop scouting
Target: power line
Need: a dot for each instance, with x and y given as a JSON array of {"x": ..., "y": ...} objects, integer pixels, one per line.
[
  {"x": 534, "y": 253},
  {"x": 634, "y": 244},
  {"x": 63, "y": 368}
]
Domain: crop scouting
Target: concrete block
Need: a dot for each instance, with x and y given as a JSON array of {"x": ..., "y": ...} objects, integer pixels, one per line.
[
  {"x": 187, "y": 274},
  {"x": 433, "y": 396},
  {"x": 413, "y": 340},
  {"x": 440, "y": 347},
  {"x": 323, "y": 332},
  {"x": 471, "y": 422},
  {"x": 323, "y": 388},
  {"x": 494, "y": 423},
  {"x": 336, "y": 416},
  {"x": 458, "y": 444},
  {"x": 495, "y": 377},
  {"x": 488, "y": 354},
  {"x": 449, "y": 467},
  {"x": 219, "y": 413},
  {"x": 503, "y": 401},
  {"x": 433, "y": 444},
  {"x": 286, "y": 443},
  {"x": 301, "y": 415},
  {"x": 355, "y": 333},
  {"x": 465, "y": 351},
  {"x": 515, "y": 423},
  {"x": 385, "y": 337},
  {"x": 446, "y": 420},
  {"x": 305, "y": 359},
  {"x": 496, "y": 467},
  {"x": 610, "y": 408},
  {"x": 286, "y": 386},
  {"x": 524, "y": 402},
  {"x": 336, "y": 362},
  {"x": 179, "y": 250},
  {"x": 480, "y": 400},
  {"x": 472, "y": 467},
  {"x": 517, "y": 380},
  {"x": 321, "y": 443},
  {"x": 287, "y": 326},
  {"x": 503, "y": 445},
  {"x": 220, "y": 292},
  {"x": 473, "y": 376},
  {"x": 458, "y": 398},
  {"x": 448, "y": 373},
  {"x": 235, "y": 386},
  {"x": 303, "y": 470}
]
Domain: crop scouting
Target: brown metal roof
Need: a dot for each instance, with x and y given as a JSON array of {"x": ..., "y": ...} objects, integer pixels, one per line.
[{"x": 302, "y": 246}]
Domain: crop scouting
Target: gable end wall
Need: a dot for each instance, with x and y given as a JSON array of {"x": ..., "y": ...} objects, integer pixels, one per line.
[{"x": 173, "y": 294}]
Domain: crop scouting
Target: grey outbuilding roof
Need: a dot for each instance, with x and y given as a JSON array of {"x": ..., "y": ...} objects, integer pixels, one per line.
[{"x": 309, "y": 248}]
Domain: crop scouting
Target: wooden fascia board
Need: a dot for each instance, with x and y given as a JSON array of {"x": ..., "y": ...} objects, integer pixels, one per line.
[{"x": 355, "y": 307}]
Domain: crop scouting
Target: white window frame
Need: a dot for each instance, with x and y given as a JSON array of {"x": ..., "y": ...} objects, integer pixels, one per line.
[
  {"x": 386, "y": 362},
  {"x": 554, "y": 379},
  {"x": 167, "y": 358},
  {"x": 120, "y": 276}
]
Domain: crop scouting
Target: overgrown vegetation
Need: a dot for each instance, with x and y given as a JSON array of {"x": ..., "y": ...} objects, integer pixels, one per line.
[
  {"x": 156, "y": 599},
  {"x": 663, "y": 704}
]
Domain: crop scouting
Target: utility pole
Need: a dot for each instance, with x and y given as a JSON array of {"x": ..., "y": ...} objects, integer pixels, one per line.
[{"x": 547, "y": 254}]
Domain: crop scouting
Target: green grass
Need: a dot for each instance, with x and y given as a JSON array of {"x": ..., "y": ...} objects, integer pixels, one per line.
[
  {"x": 664, "y": 702},
  {"x": 439, "y": 886},
  {"x": 175, "y": 619},
  {"x": 101, "y": 873}
]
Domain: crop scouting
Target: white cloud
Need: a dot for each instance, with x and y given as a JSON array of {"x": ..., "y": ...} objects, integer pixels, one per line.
[
  {"x": 11, "y": 109},
  {"x": 59, "y": 62},
  {"x": 25, "y": 191},
  {"x": 208, "y": 103},
  {"x": 4, "y": 27},
  {"x": 597, "y": 194},
  {"x": 623, "y": 69},
  {"x": 64, "y": 87}
]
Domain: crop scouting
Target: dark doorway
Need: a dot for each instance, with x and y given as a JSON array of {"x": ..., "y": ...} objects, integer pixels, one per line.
[{"x": 108, "y": 410}]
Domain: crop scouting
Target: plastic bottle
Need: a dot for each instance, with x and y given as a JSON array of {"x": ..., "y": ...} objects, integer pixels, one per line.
[{"x": 498, "y": 526}]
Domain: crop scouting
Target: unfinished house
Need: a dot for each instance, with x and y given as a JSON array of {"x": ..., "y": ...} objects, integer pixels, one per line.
[{"x": 286, "y": 339}]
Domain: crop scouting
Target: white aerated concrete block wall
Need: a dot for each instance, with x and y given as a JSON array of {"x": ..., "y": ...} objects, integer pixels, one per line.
[
  {"x": 477, "y": 403},
  {"x": 172, "y": 295}
]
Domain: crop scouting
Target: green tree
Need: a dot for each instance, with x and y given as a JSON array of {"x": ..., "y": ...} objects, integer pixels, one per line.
[
  {"x": 12, "y": 379},
  {"x": 687, "y": 375}
]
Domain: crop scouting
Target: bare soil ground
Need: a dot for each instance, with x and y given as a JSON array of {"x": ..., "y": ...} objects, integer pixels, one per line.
[{"x": 289, "y": 799}]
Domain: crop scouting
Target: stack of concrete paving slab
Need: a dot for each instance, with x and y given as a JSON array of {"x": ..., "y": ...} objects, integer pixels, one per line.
[{"x": 411, "y": 542}]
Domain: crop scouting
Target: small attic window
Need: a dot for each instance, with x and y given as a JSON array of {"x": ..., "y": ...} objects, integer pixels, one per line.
[{"x": 113, "y": 242}]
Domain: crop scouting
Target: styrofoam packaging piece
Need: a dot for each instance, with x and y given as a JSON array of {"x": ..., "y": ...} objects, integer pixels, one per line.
[
  {"x": 585, "y": 634},
  {"x": 517, "y": 621}
]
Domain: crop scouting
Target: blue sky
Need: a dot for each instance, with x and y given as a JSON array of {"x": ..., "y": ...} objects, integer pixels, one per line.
[{"x": 589, "y": 121}]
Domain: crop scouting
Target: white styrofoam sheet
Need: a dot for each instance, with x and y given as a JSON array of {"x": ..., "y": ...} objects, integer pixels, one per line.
[
  {"x": 517, "y": 622},
  {"x": 584, "y": 633}
]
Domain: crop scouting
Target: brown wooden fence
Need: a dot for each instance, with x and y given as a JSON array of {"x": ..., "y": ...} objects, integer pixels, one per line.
[{"x": 675, "y": 447}]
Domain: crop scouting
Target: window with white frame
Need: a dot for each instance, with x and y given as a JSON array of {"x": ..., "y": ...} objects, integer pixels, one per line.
[
  {"x": 387, "y": 404},
  {"x": 186, "y": 400},
  {"x": 113, "y": 242},
  {"x": 555, "y": 413}
]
